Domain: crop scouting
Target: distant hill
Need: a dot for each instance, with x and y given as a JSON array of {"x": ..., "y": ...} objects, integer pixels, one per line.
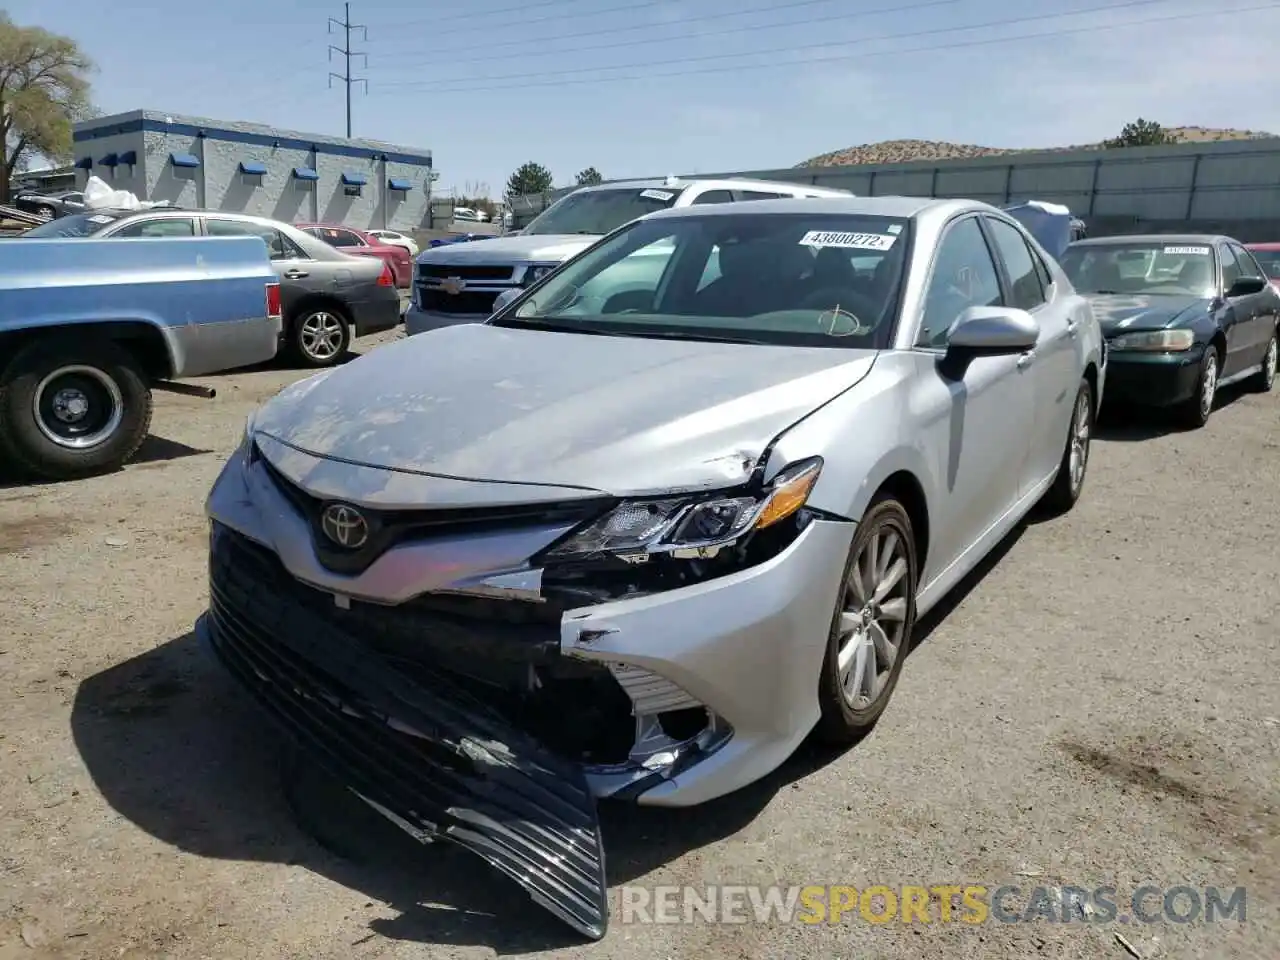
[{"x": 905, "y": 151}]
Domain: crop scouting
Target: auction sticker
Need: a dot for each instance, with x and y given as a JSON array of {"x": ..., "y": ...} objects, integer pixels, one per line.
[
  {"x": 847, "y": 241},
  {"x": 99, "y": 218},
  {"x": 1187, "y": 251},
  {"x": 656, "y": 195}
]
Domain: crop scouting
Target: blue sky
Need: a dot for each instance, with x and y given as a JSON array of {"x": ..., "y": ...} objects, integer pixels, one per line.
[{"x": 706, "y": 85}]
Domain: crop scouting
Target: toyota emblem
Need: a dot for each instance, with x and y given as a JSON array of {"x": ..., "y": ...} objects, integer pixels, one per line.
[
  {"x": 345, "y": 526},
  {"x": 453, "y": 285}
]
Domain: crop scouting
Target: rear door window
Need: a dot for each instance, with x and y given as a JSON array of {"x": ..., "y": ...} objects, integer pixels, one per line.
[{"x": 279, "y": 246}]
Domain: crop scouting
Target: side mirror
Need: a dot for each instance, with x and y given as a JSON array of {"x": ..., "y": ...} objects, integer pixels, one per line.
[
  {"x": 504, "y": 298},
  {"x": 992, "y": 332},
  {"x": 1246, "y": 287}
]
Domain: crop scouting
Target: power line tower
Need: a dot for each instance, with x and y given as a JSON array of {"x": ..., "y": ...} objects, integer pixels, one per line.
[{"x": 347, "y": 26}]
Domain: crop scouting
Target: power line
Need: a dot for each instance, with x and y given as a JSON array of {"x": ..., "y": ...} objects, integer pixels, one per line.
[
  {"x": 433, "y": 21},
  {"x": 989, "y": 41},
  {"x": 704, "y": 58},
  {"x": 682, "y": 21},
  {"x": 347, "y": 53}
]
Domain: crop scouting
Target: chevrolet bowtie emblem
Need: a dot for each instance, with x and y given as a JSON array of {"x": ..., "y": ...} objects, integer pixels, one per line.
[{"x": 453, "y": 285}]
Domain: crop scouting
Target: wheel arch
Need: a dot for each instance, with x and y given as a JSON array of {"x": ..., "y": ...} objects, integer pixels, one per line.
[
  {"x": 316, "y": 301},
  {"x": 143, "y": 340}
]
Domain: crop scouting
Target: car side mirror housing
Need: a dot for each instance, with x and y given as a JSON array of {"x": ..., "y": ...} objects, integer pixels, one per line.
[
  {"x": 1246, "y": 287},
  {"x": 504, "y": 298},
  {"x": 992, "y": 332}
]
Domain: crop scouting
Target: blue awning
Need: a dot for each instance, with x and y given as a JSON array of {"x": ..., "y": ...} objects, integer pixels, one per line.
[
  {"x": 255, "y": 167},
  {"x": 397, "y": 184},
  {"x": 305, "y": 173},
  {"x": 84, "y": 163},
  {"x": 130, "y": 157},
  {"x": 354, "y": 179},
  {"x": 188, "y": 160},
  {"x": 110, "y": 160}
]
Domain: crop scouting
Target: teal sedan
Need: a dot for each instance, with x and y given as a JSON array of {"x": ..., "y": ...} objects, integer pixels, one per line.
[{"x": 1183, "y": 315}]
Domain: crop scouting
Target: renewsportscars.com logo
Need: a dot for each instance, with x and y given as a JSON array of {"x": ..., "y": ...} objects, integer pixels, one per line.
[{"x": 941, "y": 903}]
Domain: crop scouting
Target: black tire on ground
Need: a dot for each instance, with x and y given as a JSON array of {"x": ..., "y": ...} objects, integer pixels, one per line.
[
  {"x": 1195, "y": 412},
  {"x": 841, "y": 723},
  {"x": 1066, "y": 489},
  {"x": 101, "y": 390},
  {"x": 319, "y": 335},
  {"x": 1265, "y": 379}
]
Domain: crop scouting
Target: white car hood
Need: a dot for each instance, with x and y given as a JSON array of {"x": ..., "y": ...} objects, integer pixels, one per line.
[{"x": 535, "y": 249}]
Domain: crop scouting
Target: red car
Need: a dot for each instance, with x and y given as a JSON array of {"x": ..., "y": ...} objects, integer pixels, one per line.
[
  {"x": 350, "y": 240},
  {"x": 1268, "y": 257}
]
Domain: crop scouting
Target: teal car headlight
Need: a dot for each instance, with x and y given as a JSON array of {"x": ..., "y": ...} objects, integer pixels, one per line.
[
  {"x": 1156, "y": 341},
  {"x": 690, "y": 523}
]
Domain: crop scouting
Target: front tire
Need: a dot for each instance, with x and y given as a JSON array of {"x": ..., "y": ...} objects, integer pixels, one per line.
[
  {"x": 1265, "y": 379},
  {"x": 1196, "y": 411},
  {"x": 1069, "y": 483},
  {"x": 319, "y": 337},
  {"x": 871, "y": 626},
  {"x": 46, "y": 212},
  {"x": 71, "y": 410}
]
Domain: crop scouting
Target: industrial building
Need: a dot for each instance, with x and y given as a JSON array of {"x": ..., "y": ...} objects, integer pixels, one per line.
[{"x": 251, "y": 168}]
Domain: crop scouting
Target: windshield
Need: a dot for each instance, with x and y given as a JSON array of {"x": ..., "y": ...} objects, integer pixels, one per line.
[
  {"x": 1269, "y": 260},
  {"x": 806, "y": 279},
  {"x": 597, "y": 212},
  {"x": 76, "y": 225},
  {"x": 1145, "y": 267}
]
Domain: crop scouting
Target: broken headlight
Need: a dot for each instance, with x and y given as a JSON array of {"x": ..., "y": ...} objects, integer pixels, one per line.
[{"x": 692, "y": 524}]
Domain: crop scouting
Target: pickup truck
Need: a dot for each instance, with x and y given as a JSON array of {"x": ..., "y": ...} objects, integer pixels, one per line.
[{"x": 88, "y": 328}]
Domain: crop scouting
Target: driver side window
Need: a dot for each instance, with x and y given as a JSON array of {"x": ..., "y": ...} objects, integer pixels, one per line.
[
  {"x": 1248, "y": 266},
  {"x": 964, "y": 275}
]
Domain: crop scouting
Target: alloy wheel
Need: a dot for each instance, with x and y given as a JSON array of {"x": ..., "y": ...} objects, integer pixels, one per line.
[
  {"x": 321, "y": 335},
  {"x": 1081, "y": 434},
  {"x": 1208, "y": 383},
  {"x": 873, "y": 618}
]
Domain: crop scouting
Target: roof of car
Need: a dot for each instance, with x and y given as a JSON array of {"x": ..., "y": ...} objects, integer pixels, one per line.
[
  {"x": 899, "y": 207},
  {"x": 1203, "y": 238},
  {"x": 728, "y": 183}
]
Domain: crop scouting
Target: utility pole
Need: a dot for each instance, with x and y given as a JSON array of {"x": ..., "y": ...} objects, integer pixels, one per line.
[{"x": 347, "y": 80}]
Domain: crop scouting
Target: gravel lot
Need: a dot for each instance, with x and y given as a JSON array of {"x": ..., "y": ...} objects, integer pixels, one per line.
[{"x": 1101, "y": 706}]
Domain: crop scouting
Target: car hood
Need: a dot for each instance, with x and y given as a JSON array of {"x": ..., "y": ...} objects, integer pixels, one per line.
[
  {"x": 1121, "y": 313},
  {"x": 626, "y": 416},
  {"x": 547, "y": 249}
]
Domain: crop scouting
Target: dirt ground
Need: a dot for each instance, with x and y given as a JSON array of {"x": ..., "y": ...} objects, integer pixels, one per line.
[{"x": 1101, "y": 706}]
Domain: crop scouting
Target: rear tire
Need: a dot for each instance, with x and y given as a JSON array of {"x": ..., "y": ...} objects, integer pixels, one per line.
[
  {"x": 856, "y": 681},
  {"x": 72, "y": 409},
  {"x": 1195, "y": 412},
  {"x": 319, "y": 336},
  {"x": 1265, "y": 379},
  {"x": 1069, "y": 483},
  {"x": 43, "y": 211}
]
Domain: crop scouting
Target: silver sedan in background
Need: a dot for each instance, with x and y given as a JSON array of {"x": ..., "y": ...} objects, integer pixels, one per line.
[{"x": 674, "y": 508}]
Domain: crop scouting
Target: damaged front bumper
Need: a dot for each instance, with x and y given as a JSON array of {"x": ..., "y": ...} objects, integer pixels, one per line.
[
  {"x": 400, "y": 688},
  {"x": 420, "y": 750}
]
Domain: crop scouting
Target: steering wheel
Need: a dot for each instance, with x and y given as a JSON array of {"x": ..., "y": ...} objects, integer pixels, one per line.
[{"x": 840, "y": 301}]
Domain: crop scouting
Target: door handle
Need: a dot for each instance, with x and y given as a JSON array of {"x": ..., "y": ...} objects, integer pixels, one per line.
[
  {"x": 1071, "y": 328},
  {"x": 295, "y": 274},
  {"x": 1026, "y": 359}
]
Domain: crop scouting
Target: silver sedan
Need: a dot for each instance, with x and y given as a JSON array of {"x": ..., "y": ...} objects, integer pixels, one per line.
[{"x": 674, "y": 508}]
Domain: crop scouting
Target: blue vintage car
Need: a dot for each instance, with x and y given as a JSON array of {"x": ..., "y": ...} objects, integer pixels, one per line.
[{"x": 88, "y": 328}]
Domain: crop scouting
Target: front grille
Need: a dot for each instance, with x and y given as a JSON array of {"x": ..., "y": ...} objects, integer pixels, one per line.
[
  {"x": 443, "y": 271},
  {"x": 468, "y": 302},
  {"x": 491, "y": 640},
  {"x": 418, "y": 746},
  {"x": 389, "y": 528}
]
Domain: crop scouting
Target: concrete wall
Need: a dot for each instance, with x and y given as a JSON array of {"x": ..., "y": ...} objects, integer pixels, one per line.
[
  {"x": 1234, "y": 182},
  {"x": 218, "y": 184}
]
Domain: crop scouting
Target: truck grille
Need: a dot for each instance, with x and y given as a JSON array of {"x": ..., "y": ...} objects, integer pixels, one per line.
[
  {"x": 443, "y": 271},
  {"x": 468, "y": 302}
]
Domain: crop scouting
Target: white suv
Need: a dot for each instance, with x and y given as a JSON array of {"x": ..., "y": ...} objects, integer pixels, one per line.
[{"x": 459, "y": 282}]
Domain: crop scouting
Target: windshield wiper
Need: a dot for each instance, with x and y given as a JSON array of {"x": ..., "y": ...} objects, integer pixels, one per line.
[
  {"x": 703, "y": 337},
  {"x": 552, "y": 326}
]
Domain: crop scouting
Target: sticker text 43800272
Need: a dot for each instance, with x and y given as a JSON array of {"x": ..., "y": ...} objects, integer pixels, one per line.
[
  {"x": 848, "y": 241},
  {"x": 1187, "y": 251}
]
